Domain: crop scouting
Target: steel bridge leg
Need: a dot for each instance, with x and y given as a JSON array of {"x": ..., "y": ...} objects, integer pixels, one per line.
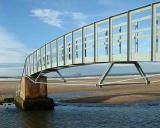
[
  {"x": 141, "y": 73},
  {"x": 100, "y": 81},
  {"x": 60, "y": 75},
  {"x": 138, "y": 67},
  {"x": 39, "y": 75}
]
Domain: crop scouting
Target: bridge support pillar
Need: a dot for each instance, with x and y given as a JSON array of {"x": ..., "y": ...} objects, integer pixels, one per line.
[{"x": 33, "y": 96}]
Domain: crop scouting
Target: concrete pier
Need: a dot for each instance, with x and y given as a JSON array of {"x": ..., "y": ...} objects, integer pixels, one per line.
[{"x": 33, "y": 96}]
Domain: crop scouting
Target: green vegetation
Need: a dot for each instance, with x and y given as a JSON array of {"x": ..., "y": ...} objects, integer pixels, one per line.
[{"x": 39, "y": 103}]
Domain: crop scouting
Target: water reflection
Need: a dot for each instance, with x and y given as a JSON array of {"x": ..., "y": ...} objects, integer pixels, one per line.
[{"x": 37, "y": 119}]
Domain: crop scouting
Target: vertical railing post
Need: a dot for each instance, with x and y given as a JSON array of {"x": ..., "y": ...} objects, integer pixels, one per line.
[
  {"x": 106, "y": 43},
  {"x": 51, "y": 55},
  {"x": 45, "y": 56},
  {"x": 30, "y": 65},
  {"x": 110, "y": 39},
  {"x": 64, "y": 49},
  {"x": 129, "y": 36},
  {"x": 120, "y": 42},
  {"x": 41, "y": 56},
  {"x": 37, "y": 60},
  {"x": 57, "y": 52},
  {"x": 33, "y": 60},
  {"x": 83, "y": 45},
  {"x": 73, "y": 47},
  {"x": 26, "y": 66},
  {"x": 136, "y": 38},
  {"x": 95, "y": 42},
  {"x": 76, "y": 48},
  {"x": 153, "y": 33}
]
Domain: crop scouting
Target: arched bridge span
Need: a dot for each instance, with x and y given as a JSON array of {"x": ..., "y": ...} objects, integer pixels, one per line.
[{"x": 129, "y": 37}]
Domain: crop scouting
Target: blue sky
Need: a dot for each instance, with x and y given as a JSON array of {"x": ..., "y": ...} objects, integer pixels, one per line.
[{"x": 25, "y": 25}]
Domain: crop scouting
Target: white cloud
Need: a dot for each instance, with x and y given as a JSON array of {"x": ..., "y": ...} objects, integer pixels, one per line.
[
  {"x": 56, "y": 18},
  {"x": 80, "y": 18},
  {"x": 49, "y": 16},
  {"x": 12, "y": 52}
]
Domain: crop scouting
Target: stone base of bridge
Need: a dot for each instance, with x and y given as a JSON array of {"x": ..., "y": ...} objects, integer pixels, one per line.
[{"x": 34, "y": 96}]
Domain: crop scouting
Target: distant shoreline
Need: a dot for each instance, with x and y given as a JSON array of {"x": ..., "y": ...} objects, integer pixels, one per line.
[
  {"x": 98, "y": 75},
  {"x": 9, "y": 79}
]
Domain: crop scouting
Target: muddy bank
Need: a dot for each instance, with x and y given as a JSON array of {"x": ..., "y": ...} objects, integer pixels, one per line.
[{"x": 107, "y": 94}]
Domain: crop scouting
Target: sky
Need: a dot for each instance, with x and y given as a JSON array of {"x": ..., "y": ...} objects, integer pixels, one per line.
[{"x": 26, "y": 25}]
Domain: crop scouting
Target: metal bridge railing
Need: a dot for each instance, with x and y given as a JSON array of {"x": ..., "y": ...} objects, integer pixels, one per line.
[{"x": 129, "y": 36}]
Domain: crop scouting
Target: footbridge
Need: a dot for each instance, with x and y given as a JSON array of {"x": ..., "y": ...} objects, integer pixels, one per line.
[{"x": 127, "y": 38}]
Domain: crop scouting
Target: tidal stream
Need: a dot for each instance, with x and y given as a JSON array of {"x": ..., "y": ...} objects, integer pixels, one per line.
[{"x": 83, "y": 115}]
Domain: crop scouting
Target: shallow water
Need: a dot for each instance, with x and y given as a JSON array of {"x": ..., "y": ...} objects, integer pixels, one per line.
[{"x": 77, "y": 115}]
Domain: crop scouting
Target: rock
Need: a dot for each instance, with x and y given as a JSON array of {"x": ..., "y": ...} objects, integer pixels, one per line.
[
  {"x": 39, "y": 103},
  {"x": 9, "y": 100}
]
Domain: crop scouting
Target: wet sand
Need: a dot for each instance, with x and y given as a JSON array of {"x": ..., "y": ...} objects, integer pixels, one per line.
[{"x": 107, "y": 94}]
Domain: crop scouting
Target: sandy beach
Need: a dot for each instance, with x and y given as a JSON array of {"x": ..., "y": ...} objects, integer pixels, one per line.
[{"x": 107, "y": 94}]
